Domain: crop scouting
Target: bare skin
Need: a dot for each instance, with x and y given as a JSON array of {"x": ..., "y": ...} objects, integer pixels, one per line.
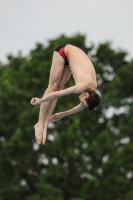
[
  {"x": 83, "y": 72},
  {"x": 78, "y": 108}
]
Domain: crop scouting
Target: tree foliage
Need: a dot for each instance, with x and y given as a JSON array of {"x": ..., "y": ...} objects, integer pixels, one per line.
[{"x": 87, "y": 156}]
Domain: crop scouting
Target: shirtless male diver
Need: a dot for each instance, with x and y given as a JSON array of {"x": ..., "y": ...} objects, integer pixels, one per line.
[{"x": 67, "y": 60}]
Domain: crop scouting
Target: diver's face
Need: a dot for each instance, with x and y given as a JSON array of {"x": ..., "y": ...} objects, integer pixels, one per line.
[{"x": 82, "y": 98}]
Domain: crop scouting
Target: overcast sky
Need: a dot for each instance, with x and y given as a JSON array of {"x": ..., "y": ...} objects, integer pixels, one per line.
[{"x": 25, "y": 22}]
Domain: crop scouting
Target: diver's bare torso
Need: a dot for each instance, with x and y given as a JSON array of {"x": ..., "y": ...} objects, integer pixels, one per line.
[{"x": 80, "y": 66}]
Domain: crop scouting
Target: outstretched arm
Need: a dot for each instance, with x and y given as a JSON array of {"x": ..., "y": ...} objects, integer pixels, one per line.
[
  {"x": 79, "y": 88},
  {"x": 60, "y": 115},
  {"x": 53, "y": 95}
]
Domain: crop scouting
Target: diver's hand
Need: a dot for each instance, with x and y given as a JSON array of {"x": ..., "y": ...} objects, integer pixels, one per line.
[
  {"x": 56, "y": 117},
  {"x": 35, "y": 101}
]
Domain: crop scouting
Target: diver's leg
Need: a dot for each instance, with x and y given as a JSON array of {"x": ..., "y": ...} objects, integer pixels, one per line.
[
  {"x": 65, "y": 77},
  {"x": 55, "y": 76}
]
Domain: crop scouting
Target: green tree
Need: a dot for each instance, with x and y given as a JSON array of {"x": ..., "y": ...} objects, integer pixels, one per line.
[{"x": 87, "y": 156}]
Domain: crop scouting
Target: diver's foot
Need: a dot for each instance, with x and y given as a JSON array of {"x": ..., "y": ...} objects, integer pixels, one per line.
[
  {"x": 38, "y": 133},
  {"x": 44, "y": 134}
]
